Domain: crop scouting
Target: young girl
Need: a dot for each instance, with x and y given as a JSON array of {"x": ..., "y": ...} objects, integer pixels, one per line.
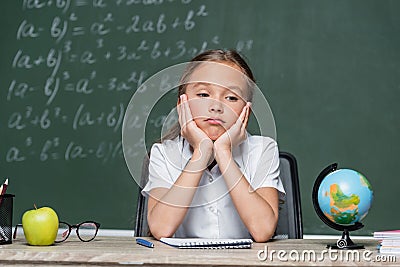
[{"x": 209, "y": 178}]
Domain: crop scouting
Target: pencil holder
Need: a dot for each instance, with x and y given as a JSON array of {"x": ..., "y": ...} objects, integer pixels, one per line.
[{"x": 6, "y": 214}]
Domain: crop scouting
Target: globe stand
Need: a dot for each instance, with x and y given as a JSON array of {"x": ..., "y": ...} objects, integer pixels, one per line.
[{"x": 345, "y": 242}]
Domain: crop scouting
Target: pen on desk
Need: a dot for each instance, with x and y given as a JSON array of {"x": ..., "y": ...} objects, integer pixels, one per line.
[{"x": 144, "y": 242}]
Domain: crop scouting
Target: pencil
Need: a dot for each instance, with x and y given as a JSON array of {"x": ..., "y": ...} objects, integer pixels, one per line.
[{"x": 3, "y": 187}]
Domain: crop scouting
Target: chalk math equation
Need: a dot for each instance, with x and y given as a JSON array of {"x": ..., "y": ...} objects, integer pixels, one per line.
[{"x": 75, "y": 64}]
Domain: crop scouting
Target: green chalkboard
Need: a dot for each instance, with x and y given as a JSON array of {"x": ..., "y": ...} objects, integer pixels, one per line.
[{"x": 330, "y": 71}]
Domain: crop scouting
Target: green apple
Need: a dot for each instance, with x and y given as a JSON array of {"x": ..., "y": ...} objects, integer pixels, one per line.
[{"x": 40, "y": 226}]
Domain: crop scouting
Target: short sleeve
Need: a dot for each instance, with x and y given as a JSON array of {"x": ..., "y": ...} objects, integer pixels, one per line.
[
  {"x": 158, "y": 171},
  {"x": 267, "y": 167}
]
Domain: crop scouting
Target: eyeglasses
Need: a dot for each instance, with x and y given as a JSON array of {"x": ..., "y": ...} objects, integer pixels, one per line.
[{"x": 86, "y": 231}]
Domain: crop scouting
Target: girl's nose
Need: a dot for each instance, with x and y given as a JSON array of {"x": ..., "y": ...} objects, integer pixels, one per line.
[{"x": 216, "y": 106}]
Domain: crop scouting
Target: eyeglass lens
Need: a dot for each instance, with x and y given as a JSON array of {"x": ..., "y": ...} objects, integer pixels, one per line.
[
  {"x": 63, "y": 232},
  {"x": 86, "y": 231}
]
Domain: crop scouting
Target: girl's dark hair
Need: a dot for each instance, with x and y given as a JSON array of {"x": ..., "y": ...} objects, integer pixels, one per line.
[{"x": 217, "y": 55}]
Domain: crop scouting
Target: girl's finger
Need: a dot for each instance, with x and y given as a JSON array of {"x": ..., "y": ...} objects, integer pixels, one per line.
[
  {"x": 181, "y": 114},
  {"x": 237, "y": 127},
  {"x": 246, "y": 119},
  {"x": 184, "y": 114},
  {"x": 187, "y": 111},
  {"x": 242, "y": 115}
]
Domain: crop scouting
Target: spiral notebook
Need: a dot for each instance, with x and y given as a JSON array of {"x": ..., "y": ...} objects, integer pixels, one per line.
[{"x": 207, "y": 243}]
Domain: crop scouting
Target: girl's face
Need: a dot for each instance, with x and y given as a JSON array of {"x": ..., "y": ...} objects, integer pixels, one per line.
[{"x": 216, "y": 95}]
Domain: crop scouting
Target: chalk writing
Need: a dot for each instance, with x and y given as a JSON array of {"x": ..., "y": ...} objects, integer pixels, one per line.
[{"x": 76, "y": 63}]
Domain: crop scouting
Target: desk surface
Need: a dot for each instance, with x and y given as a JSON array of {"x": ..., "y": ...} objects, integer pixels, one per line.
[{"x": 106, "y": 251}]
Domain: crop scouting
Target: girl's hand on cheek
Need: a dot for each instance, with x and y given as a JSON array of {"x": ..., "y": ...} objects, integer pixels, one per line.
[
  {"x": 196, "y": 137},
  {"x": 235, "y": 135}
]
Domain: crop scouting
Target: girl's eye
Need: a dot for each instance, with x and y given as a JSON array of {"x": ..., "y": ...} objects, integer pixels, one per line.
[
  {"x": 202, "y": 95},
  {"x": 232, "y": 98}
]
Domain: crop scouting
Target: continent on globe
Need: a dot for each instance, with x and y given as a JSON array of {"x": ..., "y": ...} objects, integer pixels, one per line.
[
  {"x": 364, "y": 182},
  {"x": 344, "y": 209}
]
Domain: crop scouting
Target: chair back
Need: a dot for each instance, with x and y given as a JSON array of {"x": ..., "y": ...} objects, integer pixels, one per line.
[
  {"x": 141, "y": 226},
  {"x": 290, "y": 224},
  {"x": 290, "y": 218}
]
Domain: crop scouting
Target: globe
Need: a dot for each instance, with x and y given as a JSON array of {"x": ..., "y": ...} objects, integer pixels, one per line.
[
  {"x": 345, "y": 196},
  {"x": 342, "y": 199}
]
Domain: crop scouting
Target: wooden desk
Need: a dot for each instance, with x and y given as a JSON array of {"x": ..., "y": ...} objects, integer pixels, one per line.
[{"x": 106, "y": 251}]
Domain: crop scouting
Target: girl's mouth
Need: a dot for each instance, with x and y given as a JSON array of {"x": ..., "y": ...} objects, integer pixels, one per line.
[{"x": 215, "y": 121}]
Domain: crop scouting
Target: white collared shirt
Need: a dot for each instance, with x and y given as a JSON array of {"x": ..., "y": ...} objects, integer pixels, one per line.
[{"x": 212, "y": 213}]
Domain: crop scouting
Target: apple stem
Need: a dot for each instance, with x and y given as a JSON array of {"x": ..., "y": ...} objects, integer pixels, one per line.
[{"x": 35, "y": 206}]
